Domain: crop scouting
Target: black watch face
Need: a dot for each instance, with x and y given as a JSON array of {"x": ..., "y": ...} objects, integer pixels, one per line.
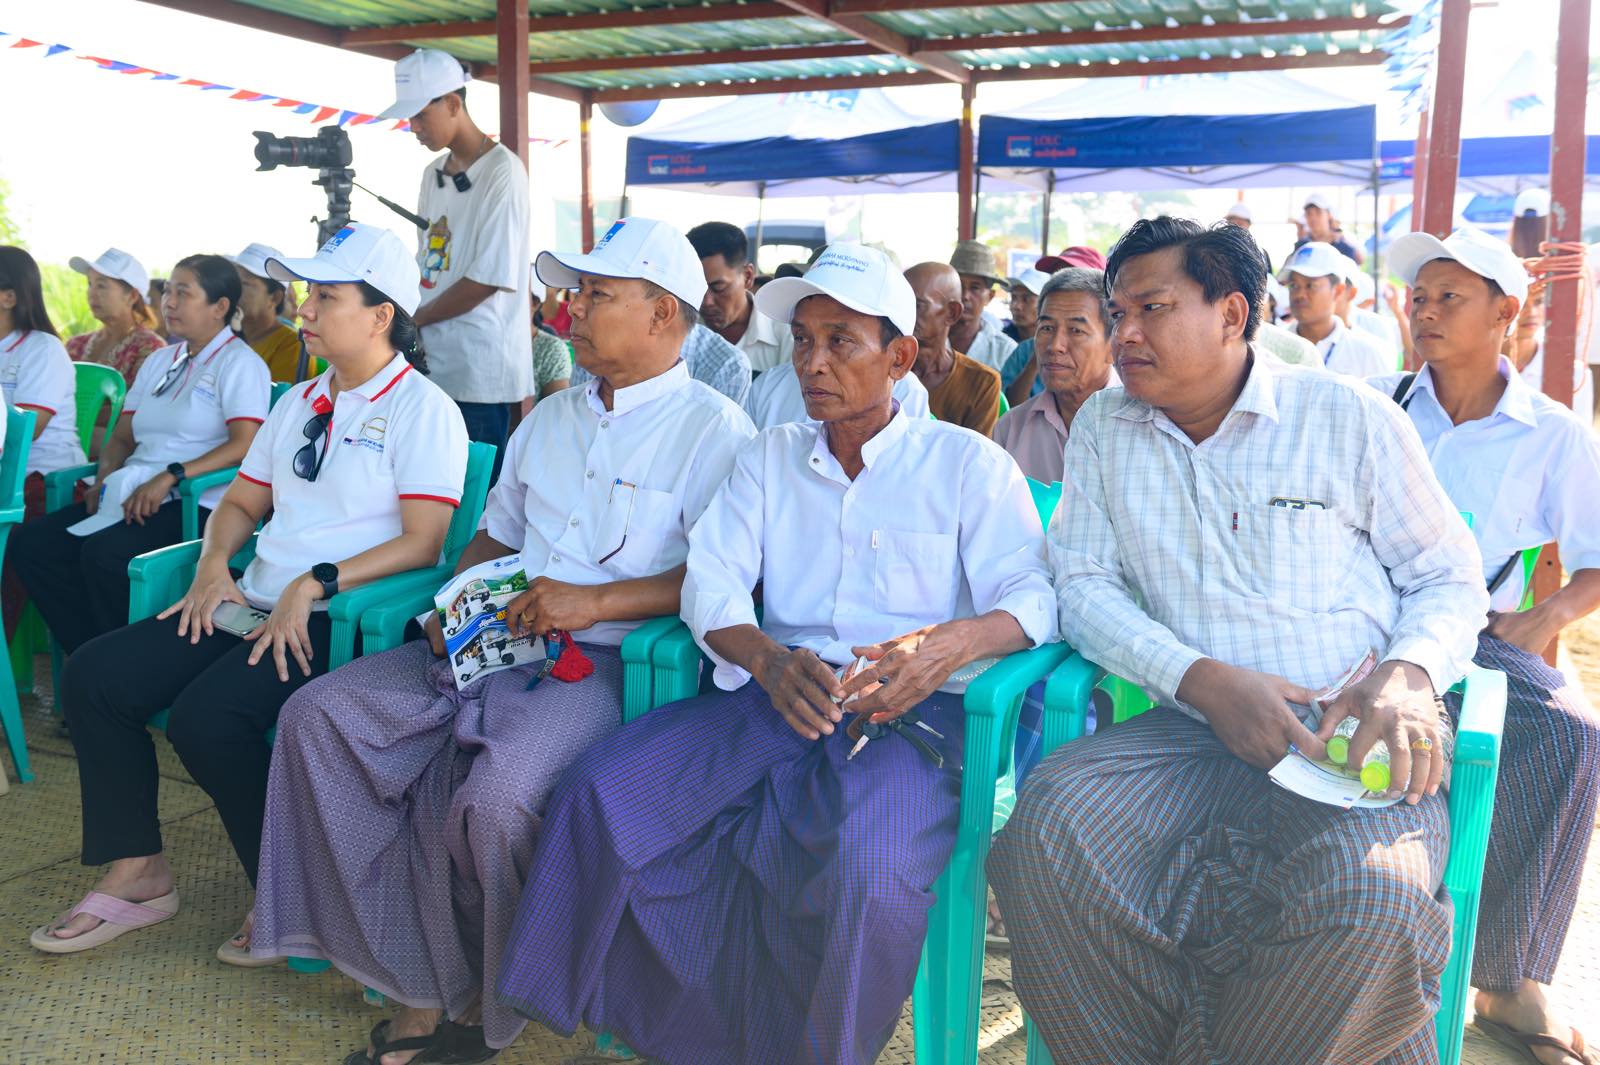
[{"x": 325, "y": 572}]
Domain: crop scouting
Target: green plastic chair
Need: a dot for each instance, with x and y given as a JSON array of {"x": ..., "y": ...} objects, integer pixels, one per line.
[
  {"x": 945, "y": 996},
  {"x": 1471, "y": 799},
  {"x": 13, "y": 472},
  {"x": 192, "y": 488}
]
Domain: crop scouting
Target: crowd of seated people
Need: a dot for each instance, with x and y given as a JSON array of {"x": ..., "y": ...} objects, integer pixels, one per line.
[{"x": 813, "y": 473}]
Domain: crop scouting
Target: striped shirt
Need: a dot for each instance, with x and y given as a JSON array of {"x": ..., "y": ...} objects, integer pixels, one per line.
[{"x": 1307, "y": 529}]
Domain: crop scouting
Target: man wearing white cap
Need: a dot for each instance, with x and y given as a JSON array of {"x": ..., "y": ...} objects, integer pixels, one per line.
[
  {"x": 1239, "y": 214},
  {"x": 1528, "y": 471},
  {"x": 404, "y": 810},
  {"x": 774, "y": 910},
  {"x": 1024, "y": 303},
  {"x": 474, "y": 254},
  {"x": 261, "y": 312},
  {"x": 1316, "y": 276},
  {"x": 1321, "y": 225},
  {"x": 117, "y": 286}
]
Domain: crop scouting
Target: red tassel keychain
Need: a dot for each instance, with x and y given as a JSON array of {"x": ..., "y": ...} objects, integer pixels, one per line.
[{"x": 563, "y": 659}]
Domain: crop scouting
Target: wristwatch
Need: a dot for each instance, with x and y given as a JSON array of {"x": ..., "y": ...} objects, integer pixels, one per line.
[
  {"x": 327, "y": 575},
  {"x": 176, "y": 469}
]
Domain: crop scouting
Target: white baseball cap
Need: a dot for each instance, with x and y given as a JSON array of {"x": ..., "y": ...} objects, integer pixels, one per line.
[
  {"x": 1318, "y": 199},
  {"x": 358, "y": 253},
  {"x": 1365, "y": 288},
  {"x": 1316, "y": 259},
  {"x": 1030, "y": 279},
  {"x": 421, "y": 78},
  {"x": 254, "y": 258},
  {"x": 1472, "y": 248},
  {"x": 641, "y": 248},
  {"x": 859, "y": 277},
  {"x": 1239, "y": 210},
  {"x": 1531, "y": 201},
  {"x": 114, "y": 262}
]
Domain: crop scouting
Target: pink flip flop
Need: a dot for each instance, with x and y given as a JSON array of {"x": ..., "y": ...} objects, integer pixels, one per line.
[{"x": 117, "y": 916}]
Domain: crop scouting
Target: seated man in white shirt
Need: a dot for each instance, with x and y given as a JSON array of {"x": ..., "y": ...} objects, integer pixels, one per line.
[
  {"x": 1241, "y": 534},
  {"x": 1528, "y": 471},
  {"x": 402, "y": 810},
  {"x": 1316, "y": 276},
  {"x": 771, "y": 906},
  {"x": 709, "y": 359},
  {"x": 776, "y": 398}
]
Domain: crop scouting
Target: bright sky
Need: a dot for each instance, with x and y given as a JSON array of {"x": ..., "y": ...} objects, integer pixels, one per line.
[{"x": 96, "y": 158}]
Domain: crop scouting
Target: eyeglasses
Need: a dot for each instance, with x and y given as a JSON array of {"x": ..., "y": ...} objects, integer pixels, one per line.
[
  {"x": 610, "y": 499},
  {"x": 171, "y": 376},
  {"x": 308, "y": 460}
]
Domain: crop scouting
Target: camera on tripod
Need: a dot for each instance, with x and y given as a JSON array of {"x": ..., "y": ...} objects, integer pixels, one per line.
[{"x": 329, "y": 149}]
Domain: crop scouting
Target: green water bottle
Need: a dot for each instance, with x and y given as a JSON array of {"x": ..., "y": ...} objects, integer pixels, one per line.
[{"x": 1374, "y": 774}]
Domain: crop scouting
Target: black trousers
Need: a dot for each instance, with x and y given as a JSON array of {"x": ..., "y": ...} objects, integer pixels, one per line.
[
  {"x": 80, "y": 583},
  {"x": 221, "y": 709}
]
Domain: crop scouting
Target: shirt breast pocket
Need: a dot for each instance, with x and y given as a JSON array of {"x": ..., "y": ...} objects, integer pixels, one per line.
[
  {"x": 637, "y": 528},
  {"x": 1296, "y": 558},
  {"x": 914, "y": 574}
]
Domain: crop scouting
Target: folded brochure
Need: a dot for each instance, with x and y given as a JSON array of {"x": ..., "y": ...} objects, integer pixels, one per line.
[
  {"x": 472, "y": 612},
  {"x": 1322, "y": 781}
]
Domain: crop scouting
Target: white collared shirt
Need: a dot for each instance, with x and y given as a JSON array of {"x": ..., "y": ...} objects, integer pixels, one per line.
[
  {"x": 581, "y": 483},
  {"x": 1307, "y": 529},
  {"x": 1528, "y": 474},
  {"x": 1353, "y": 352},
  {"x": 1383, "y": 328},
  {"x": 990, "y": 346},
  {"x": 225, "y": 382},
  {"x": 396, "y": 437},
  {"x": 37, "y": 373},
  {"x": 766, "y": 343},
  {"x": 775, "y": 397},
  {"x": 939, "y": 525}
]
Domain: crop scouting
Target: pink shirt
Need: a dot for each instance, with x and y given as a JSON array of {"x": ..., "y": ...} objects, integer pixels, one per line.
[{"x": 1035, "y": 436}]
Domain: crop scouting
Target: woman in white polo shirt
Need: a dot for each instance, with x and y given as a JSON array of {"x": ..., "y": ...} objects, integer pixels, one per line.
[
  {"x": 194, "y": 407},
  {"x": 1528, "y": 471},
  {"x": 361, "y": 471},
  {"x": 36, "y": 375}
]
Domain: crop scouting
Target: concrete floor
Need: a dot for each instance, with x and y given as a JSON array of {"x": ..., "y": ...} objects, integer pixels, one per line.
[{"x": 159, "y": 995}]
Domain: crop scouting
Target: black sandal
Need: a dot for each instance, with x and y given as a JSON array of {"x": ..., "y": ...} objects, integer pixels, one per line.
[
  {"x": 456, "y": 1044},
  {"x": 382, "y": 1046}
]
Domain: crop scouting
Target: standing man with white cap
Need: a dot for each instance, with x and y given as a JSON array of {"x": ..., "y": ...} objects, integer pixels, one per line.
[
  {"x": 1320, "y": 225},
  {"x": 1316, "y": 276},
  {"x": 1239, "y": 214},
  {"x": 1024, "y": 303},
  {"x": 474, "y": 254},
  {"x": 415, "y": 896}
]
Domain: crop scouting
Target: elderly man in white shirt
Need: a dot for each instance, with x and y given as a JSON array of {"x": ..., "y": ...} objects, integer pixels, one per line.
[
  {"x": 1317, "y": 277},
  {"x": 777, "y": 899},
  {"x": 1240, "y": 534},
  {"x": 1528, "y": 471},
  {"x": 417, "y": 805}
]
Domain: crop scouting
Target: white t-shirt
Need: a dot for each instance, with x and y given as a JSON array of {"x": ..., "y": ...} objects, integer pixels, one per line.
[
  {"x": 36, "y": 373},
  {"x": 485, "y": 355},
  {"x": 396, "y": 437},
  {"x": 225, "y": 382}
]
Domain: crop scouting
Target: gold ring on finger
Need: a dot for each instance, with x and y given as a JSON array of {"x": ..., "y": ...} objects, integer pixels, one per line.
[{"x": 1422, "y": 744}]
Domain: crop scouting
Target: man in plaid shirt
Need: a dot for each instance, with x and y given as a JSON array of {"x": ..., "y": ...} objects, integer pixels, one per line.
[{"x": 1235, "y": 534}]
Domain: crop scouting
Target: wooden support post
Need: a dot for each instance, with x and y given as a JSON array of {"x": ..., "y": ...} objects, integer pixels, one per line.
[
  {"x": 966, "y": 222},
  {"x": 586, "y": 166},
  {"x": 1419, "y": 170},
  {"x": 1444, "y": 126},
  {"x": 511, "y": 34}
]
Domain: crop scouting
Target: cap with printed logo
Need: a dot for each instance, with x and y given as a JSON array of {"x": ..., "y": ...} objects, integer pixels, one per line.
[
  {"x": 1534, "y": 202},
  {"x": 1032, "y": 279},
  {"x": 254, "y": 258},
  {"x": 1240, "y": 210},
  {"x": 1471, "y": 247},
  {"x": 1316, "y": 259},
  {"x": 114, "y": 262},
  {"x": 641, "y": 248},
  {"x": 421, "y": 78},
  {"x": 354, "y": 254},
  {"x": 1318, "y": 199},
  {"x": 859, "y": 277}
]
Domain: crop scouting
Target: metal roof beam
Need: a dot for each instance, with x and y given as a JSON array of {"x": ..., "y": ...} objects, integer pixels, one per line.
[
  {"x": 872, "y": 7},
  {"x": 1196, "y": 32},
  {"x": 258, "y": 18},
  {"x": 698, "y": 59},
  {"x": 875, "y": 33},
  {"x": 1158, "y": 67},
  {"x": 748, "y": 88},
  {"x": 600, "y": 20}
]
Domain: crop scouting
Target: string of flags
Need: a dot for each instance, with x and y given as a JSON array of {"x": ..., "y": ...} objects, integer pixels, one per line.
[{"x": 313, "y": 112}]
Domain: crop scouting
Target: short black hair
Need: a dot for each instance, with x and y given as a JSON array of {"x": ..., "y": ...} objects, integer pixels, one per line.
[
  {"x": 1222, "y": 259},
  {"x": 720, "y": 238}
]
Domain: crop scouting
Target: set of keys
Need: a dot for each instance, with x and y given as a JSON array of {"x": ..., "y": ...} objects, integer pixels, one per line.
[{"x": 864, "y": 731}]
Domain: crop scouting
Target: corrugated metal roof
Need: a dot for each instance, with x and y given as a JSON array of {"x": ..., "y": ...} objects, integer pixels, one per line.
[{"x": 941, "y": 30}]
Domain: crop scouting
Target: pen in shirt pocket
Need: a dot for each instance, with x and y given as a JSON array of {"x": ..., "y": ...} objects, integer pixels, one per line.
[{"x": 874, "y": 539}]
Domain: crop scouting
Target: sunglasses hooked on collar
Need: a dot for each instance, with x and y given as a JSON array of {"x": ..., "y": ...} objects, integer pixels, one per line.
[{"x": 308, "y": 460}]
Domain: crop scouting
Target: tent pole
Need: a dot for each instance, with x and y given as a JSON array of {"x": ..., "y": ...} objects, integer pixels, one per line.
[
  {"x": 586, "y": 166},
  {"x": 966, "y": 179},
  {"x": 1044, "y": 228},
  {"x": 1444, "y": 132},
  {"x": 1419, "y": 168},
  {"x": 622, "y": 208},
  {"x": 761, "y": 222},
  {"x": 511, "y": 52}
]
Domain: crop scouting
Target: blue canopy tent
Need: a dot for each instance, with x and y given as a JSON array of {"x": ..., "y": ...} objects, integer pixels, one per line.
[
  {"x": 1225, "y": 130},
  {"x": 1489, "y": 165}
]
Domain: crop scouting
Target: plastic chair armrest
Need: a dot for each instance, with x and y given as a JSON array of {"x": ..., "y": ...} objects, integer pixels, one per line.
[
  {"x": 1066, "y": 701},
  {"x": 58, "y": 485},
  {"x": 383, "y": 626},
  {"x": 637, "y": 664},
  {"x": 192, "y": 488},
  {"x": 346, "y": 608},
  {"x": 153, "y": 575},
  {"x": 677, "y": 661},
  {"x": 1473, "y": 776}
]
